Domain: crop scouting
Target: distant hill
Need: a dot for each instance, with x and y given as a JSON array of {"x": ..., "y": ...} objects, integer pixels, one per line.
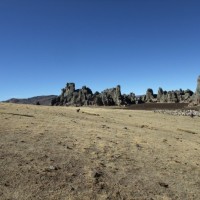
[{"x": 43, "y": 100}]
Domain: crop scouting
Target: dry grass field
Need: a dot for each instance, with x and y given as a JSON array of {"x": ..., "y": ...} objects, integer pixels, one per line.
[{"x": 57, "y": 153}]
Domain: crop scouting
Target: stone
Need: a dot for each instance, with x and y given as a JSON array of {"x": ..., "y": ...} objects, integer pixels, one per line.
[
  {"x": 98, "y": 100},
  {"x": 84, "y": 96},
  {"x": 70, "y": 96},
  {"x": 149, "y": 95},
  {"x": 177, "y": 96},
  {"x": 109, "y": 97},
  {"x": 187, "y": 95},
  {"x": 70, "y": 88},
  {"x": 162, "y": 184},
  {"x": 160, "y": 94},
  {"x": 172, "y": 97},
  {"x": 197, "y": 93},
  {"x": 190, "y": 113},
  {"x": 195, "y": 99},
  {"x": 129, "y": 99},
  {"x": 78, "y": 97},
  {"x": 140, "y": 99}
]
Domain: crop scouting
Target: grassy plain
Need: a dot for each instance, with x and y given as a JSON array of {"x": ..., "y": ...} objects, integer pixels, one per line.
[{"x": 55, "y": 153}]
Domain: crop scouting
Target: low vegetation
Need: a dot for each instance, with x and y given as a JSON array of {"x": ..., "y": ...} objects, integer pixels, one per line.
[{"x": 97, "y": 153}]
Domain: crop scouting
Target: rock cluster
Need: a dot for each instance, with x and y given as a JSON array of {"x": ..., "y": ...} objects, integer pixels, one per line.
[
  {"x": 84, "y": 96},
  {"x": 71, "y": 96},
  {"x": 149, "y": 97},
  {"x": 178, "y": 96},
  {"x": 190, "y": 113},
  {"x": 113, "y": 97},
  {"x": 109, "y": 97}
]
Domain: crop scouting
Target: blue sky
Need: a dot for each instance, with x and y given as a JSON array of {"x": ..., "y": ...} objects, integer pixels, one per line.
[{"x": 99, "y": 43}]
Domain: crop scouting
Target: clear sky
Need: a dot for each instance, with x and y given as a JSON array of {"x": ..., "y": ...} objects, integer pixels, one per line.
[{"x": 138, "y": 44}]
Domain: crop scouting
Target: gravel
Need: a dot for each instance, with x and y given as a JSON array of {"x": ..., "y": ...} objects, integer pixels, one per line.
[{"x": 191, "y": 113}]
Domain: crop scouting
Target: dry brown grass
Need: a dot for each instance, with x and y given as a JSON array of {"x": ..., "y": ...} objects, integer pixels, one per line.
[{"x": 54, "y": 153}]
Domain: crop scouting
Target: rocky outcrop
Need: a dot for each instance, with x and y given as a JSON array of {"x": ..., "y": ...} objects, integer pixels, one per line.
[
  {"x": 113, "y": 97},
  {"x": 185, "y": 96},
  {"x": 150, "y": 97},
  {"x": 71, "y": 96},
  {"x": 129, "y": 99},
  {"x": 178, "y": 96},
  {"x": 172, "y": 97},
  {"x": 196, "y": 97},
  {"x": 160, "y": 94}
]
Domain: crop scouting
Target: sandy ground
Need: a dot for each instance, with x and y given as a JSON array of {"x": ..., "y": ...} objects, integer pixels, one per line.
[{"x": 58, "y": 153}]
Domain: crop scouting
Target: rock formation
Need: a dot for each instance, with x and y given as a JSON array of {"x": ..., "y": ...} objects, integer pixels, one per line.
[
  {"x": 178, "y": 96},
  {"x": 113, "y": 97},
  {"x": 185, "y": 96},
  {"x": 160, "y": 95},
  {"x": 129, "y": 99},
  {"x": 149, "y": 96},
  {"x": 197, "y": 94},
  {"x": 196, "y": 97},
  {"x": 71, "y": 96}
]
